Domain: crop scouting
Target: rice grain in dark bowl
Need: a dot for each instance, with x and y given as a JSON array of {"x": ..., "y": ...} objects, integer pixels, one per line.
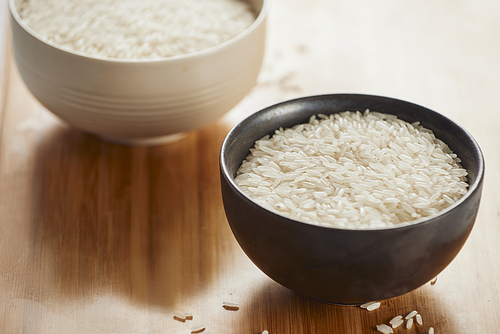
[{"x": 342, "y": 265}]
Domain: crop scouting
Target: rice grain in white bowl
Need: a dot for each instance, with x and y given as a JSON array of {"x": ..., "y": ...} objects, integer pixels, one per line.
[
  {"x": 353, "y": 170},
  {"x": 137, "y": 29}
]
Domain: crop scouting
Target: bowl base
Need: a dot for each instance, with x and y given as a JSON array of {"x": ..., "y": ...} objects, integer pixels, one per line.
[{"x": 144, "y": 141}]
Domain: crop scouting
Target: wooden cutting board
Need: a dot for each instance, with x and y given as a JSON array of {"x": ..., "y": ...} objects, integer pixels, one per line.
[{"x": 102, "y": 238}]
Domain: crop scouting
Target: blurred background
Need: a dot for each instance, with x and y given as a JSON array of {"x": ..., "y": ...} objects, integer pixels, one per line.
[{"x": 3, "y": 21}]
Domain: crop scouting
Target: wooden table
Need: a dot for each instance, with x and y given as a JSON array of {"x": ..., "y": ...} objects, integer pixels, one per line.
[{"x": 101, "y": 238}]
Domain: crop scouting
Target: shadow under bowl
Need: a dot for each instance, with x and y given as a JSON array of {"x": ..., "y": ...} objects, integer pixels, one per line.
[{"x": 340, "y": 265}]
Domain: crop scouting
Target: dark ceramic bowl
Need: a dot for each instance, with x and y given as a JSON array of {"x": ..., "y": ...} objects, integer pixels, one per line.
[{"x": 339, "y": 265}]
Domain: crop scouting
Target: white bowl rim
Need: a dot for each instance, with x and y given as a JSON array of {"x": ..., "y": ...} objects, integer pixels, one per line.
[{"x": 257, "y": 22}]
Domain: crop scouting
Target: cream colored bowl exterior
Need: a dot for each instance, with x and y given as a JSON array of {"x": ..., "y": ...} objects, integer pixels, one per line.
[{"x": 139, "y": 101}]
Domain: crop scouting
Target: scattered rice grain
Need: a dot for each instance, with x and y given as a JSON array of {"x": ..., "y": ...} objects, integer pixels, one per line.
[
  {"x": 197, "y": 329},
  {"x": 411, "y": 315},
  {"x": 396, "y": 321},
  {"x": 365, "y": 305},
  {"x": 230, "y": 306},
  {"x": 373, "y": 306},
  {"x": 418, "y": 318},
  {"x": 384, "y": 329},
  {"x": 180, "y": 317},
  {"x": 409, "y": 323}
]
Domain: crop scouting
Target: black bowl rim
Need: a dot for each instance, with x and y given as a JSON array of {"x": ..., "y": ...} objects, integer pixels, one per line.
[{"x": 475, "y": 186}]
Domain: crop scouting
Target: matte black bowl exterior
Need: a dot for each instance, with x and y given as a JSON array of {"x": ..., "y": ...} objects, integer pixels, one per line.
[{"x": 338, "y": 265}]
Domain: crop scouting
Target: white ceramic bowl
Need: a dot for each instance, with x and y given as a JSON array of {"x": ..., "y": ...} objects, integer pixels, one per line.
[{"x": 139, "y": 101}]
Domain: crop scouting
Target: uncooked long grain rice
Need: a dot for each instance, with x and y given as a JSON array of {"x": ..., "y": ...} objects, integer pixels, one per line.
[
  {"x": 411, "y": 314},
  {"x": 418, "y": 318},
  {"x": 431, "y": 330},
  {"x": 230, "y": 306},
  {"x": 384, "y": 329},
  {"x": 373, "y": 306},
  {"x": 396, "y": 321},
  {"x": 137, "y": 29},
  {"x": 409, "y": 323},
  {"x": 197, "y": 329},
  {"x": 353, "y": 170},
  {"x": 180, "y": 317},
  {"x": 366, "y": 305}
]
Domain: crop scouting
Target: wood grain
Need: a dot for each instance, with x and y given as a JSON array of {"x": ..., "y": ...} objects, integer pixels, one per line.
[{"x": 102, "y": 238}]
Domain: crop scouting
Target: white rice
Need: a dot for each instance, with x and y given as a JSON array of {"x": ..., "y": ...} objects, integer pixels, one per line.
[
  {"x": 411, "y": 315},
  {"x": 180, "y": 317},
  {"x": 396, "y": 321},
  {"x": 384, "y": 329},
  {"x": 368, "y": 304},
  {"x": 431, "y": 330},
  {"x": 353, "y": 170},
  {"x": 418, "y": 318},
  {"x": 373, "y": 306},
  {"x": 137, "y": 29},
  {"x": 197, "y": 329},
  {"x": 230, "y": 306},
  {"x": 409, "y": 323}
]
